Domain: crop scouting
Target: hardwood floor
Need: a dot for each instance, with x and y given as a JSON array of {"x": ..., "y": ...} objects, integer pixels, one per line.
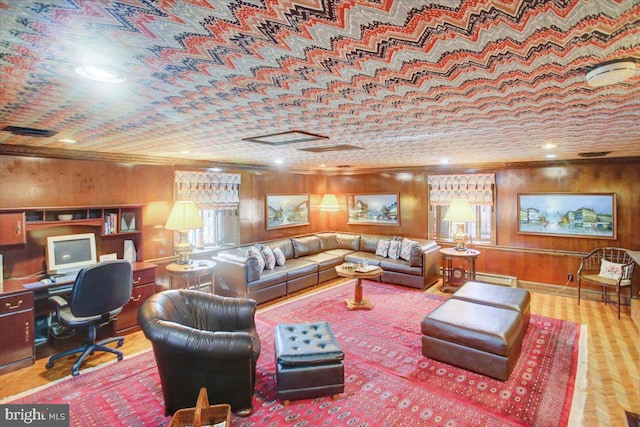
[{"x": 613, "y": 378}]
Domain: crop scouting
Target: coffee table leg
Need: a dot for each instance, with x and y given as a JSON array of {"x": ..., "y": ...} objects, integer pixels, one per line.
[{"x": 359, "y": 303}]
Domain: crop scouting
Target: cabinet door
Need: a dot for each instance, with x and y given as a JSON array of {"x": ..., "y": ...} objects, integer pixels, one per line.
[
  {"x": 12, "y": 231},
  {"x": 127, "y": 320},
  {"x": 16, "y": 323}
]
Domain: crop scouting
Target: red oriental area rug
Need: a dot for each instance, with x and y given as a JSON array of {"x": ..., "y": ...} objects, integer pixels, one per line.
[{"x": 387, "y": 380}]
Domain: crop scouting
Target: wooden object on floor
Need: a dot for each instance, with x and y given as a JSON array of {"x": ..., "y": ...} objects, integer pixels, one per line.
[
  {"x": 454, "y": 277},
  {"x": 358, "y": 302},
  {"x": 203, "y": 414},
  {"x": 194, "y": 270}
]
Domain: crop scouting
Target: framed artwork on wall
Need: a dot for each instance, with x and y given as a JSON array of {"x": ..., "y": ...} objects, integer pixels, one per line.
[
  {"x": 373, "y": 209},
  {"x": 286, "y": 210},
  {"x": 591, "y": 215}
]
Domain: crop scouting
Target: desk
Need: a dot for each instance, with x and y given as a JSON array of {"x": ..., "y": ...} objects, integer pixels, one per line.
[
  {"x": 454, "y": 277},
  {"x": 194, "y": 270}
]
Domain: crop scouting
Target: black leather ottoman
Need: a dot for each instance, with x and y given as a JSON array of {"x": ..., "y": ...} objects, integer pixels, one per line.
[
  {"x": 477, "y": 337},
  {"x": 308, "y": 361}
]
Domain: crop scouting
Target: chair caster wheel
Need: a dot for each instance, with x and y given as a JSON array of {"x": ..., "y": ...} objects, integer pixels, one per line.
[
  {"x": 120, "y": 357},
  {"x": 49, "y": 365},
  {"x": 120, "y": 342},
  {"x": 75, "y": 373}
]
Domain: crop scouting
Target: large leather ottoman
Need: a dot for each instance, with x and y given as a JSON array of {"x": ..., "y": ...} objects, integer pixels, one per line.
[
  {"x": 497, "y": 296},
  {"x": 477, "y": 337},
  {"x": 309, "y": 361}
]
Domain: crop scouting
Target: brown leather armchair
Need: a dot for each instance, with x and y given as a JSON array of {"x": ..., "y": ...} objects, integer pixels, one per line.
[{"x": 203, "y": 340}]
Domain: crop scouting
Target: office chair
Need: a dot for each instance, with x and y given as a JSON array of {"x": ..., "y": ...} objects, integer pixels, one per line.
[{"x": 97, "y": 296}]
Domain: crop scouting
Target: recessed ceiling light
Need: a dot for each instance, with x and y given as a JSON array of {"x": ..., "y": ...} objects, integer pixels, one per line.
[
  {"x": 101, "y": 74},
  {"x": 550, "y": 156},
  {"x": 549, "y": 146},
  {"x": 444, "y": 161},
  {"x": 185, "y": 152},
  {"x": 67, "y": 141},
  {"x": 278, "y": 161}
]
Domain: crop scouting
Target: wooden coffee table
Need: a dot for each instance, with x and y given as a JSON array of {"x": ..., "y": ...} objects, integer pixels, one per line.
[{"x": 358, "y": 303}]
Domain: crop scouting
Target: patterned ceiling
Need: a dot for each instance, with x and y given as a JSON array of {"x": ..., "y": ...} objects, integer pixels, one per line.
[{"x": 410, "y": 82}]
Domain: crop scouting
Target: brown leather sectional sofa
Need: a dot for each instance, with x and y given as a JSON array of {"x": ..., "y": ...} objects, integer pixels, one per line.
[{"x": 311, "y": 260}]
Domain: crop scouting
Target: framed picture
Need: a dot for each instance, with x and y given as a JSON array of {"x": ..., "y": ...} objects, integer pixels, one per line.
[
  {"x": 286, "y": 210},
  {"x": 590, "y": 215},
  {"x": 373, "y": 209}
]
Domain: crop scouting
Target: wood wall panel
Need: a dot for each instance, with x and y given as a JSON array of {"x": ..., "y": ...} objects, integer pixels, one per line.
[{"x": 28, "y": 181}]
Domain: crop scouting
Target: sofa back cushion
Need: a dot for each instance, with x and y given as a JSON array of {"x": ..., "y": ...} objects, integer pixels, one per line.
[
  {"x": 369, "y": 242},
  {"x": 284, "y": 245},
  {"x": 306, "y": 245},
  {"x": 328, "y": 241},
  {"x": 348, "y": 241}
]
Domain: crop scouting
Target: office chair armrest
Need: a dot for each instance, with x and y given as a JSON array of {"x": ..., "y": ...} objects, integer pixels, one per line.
[{"x": 59, "y": 301}]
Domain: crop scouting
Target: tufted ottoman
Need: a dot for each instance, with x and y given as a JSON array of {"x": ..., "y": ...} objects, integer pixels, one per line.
[
  {"x": 497, "y": 296},
  {"x": 308, "y": 361}
]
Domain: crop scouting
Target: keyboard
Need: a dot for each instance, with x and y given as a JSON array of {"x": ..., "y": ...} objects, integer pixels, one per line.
[{"x": 64, "y": 278}]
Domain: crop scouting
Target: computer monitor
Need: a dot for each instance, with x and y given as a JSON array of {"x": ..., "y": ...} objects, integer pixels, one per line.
[{"x": 70, "y": 253}]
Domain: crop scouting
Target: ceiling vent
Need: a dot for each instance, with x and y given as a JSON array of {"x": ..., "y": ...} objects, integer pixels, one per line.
[
  {"x": 594, "y": 154},
  {"x": 343, "y": 166},
  {"x": 327, "y": 148},
  {"x": 284, "y": 138},
  {"x": 17, "y": 130}
]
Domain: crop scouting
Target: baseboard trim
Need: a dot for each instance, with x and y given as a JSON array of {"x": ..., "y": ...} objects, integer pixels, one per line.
[{"x": 566, "y": 291}]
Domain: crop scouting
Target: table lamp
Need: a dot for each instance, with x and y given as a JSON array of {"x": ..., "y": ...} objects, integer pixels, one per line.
[
  {"x": 184, "y": 217},
  {"x": 329, "y": 203},
  {"x": 460, "y": 211}
]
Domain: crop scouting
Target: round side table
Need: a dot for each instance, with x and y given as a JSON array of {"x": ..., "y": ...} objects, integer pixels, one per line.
[
  {"x": 191, "y": 272},
  {"x": 454, "y": 277}
]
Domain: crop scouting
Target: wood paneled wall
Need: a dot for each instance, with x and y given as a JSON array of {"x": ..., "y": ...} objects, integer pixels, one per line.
[{"x": 30, "y": 182}]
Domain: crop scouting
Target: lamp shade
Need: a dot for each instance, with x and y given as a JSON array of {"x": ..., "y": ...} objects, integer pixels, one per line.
[
  {"x": 184, "y": 216},
  {"x": 329, "y": 203},
  {"x": 460, "y": 211}
]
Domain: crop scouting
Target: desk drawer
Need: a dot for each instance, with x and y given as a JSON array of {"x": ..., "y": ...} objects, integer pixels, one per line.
[
  {"x": 128, "y": 317},
  {"x": 14, "y": 303},
  {"x": 141, "y": 277}
]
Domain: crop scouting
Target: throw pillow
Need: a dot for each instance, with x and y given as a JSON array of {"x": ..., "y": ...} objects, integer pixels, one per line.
[
  {"x": 383, "y": 248},
  {"x": 394, "y": 249},
  {"x": 610, "y": 270},
  {"x": 269, "y": 258},
  {"x": 405, "y": 249},
  {"x": 255, "y": 253},
  {"x": 280, "y": 258}
]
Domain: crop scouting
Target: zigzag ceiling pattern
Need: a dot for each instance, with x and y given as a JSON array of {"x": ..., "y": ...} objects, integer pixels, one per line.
[{"x": 412, "y": 82}]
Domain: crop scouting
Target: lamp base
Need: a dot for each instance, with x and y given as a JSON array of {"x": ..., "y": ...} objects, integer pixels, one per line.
[
  {"x": 460, "y": 238},
  {"x": 183, "y": 248}
]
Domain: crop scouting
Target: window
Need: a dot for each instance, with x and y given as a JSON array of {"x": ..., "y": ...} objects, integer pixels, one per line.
[
  {"x": 217, "y": 196},
  {"x": 478, "y": 189},
  {"x": 221, "y": 228}
]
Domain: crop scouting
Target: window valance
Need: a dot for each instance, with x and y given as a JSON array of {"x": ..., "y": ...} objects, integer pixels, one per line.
[
  {"x": 208, "y": 189},
  {"x": 477, "y": 188}
]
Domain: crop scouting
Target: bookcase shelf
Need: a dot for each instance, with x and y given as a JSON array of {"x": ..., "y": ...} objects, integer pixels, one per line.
[{"x": 112, "y": 220}]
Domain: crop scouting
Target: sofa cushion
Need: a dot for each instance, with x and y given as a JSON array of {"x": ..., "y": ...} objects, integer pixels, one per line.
[
  {"x": 328, "y": 241},
  {"x": 269, "y": 258},
  {"x": 383, "y": 248},
  {"x": 369, "y": 242},
  {"x": 324, "y": 260},
  {"x": 356, "y": 258},
  {"x": 400, "y": 266},
  {"x": 280, "y": 258},
  {"x": 394, "y": 249},
  {"x": 405, "y": 248},
  {"x": 285, "y": 246},
  {"x": 306, "y": 245},
  {"x": 415, "y": 257},
  {"x": 268, "y": 278},
  {"x": 254, "y": 252},
  {"x": 348, "y": 241},
  {"x": 299, "y": 267}
]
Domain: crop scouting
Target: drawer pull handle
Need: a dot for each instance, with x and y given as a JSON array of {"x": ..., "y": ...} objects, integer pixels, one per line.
[
  {"x": 26, "y": 332},
  {"x": 19, "y": 228},
  {"x": 11, "y": 307},
  {"x": 138, "y": 280},
  {"x": 136, "y": 299}
]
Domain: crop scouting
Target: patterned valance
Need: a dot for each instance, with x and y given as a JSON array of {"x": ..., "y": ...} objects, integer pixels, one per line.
[
  {"x": 207, "y": 189},
  {"x": 477, "y": 188}
]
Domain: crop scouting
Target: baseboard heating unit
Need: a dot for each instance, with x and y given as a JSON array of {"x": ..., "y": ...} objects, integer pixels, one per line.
[{"x": 497, "y": 279}]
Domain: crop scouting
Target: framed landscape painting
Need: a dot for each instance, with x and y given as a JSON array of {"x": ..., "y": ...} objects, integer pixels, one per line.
[
  {"x": 590, "y": 215},
  {"x": 286, "y": 210},
  {"x": 373, "y": 209}
]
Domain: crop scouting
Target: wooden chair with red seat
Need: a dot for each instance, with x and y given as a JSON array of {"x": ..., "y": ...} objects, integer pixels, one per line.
[{"x": 608, "y": 267}]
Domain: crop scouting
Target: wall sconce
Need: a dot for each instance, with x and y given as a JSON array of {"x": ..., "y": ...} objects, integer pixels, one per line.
[
  {"x": 460, "y": 211},
  {"x": 329, "y": 203},
  {"x": 184, "y": 217}
]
